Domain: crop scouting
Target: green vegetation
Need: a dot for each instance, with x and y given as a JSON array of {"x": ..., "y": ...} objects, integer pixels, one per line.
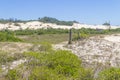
[
  {"x": 35, "y": 36},
  {"x": 85, "y": 33},
  {"x": 51, "y": 35},
  {"x": 106, "y": 23},
  {"x": 8, "y": 36},
  {"x": 11, "y": 20},
  {"x": 110, "y": 74},
  {"x": 92, "y": 31},
  {"x": 59, "y": 62},
  {"x": 49, "y": 64},
  {"x": 4, "y": 21},
  {"x": 44, "y": 19},
  {"x": 16, "y": 24},
  {"x": 41, "y": 31},
  {"x": 56, "y": 21},
  {"x": 12, "y": 75},
  {"x": 50, "y": 38},
  {"x": 7, "y": 57},
  {"x": 46, "y": 63}
]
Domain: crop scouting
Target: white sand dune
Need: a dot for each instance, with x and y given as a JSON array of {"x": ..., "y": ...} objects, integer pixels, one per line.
[{"x": 39, "y": 25}]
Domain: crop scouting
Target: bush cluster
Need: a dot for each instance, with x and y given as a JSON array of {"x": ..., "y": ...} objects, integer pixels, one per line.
[
  {"x": 8, "y": 36},
  {"x": 56, "y": 21},
  {"x": 57, "y": 65},
  {"x": 40, "y": 31},
  {"x": 51, "y": 65}
]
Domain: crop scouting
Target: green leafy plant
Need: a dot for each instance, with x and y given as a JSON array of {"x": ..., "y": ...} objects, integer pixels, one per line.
[
  {"x": 8, "y": 36},
  {"x": 12, "y": 75},
  {"x": 60, "y": 64},
  {"x": 110, "y": 74}
]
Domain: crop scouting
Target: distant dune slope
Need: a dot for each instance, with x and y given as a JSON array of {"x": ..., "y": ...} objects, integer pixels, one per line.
[{"x": 39, "y": 25}]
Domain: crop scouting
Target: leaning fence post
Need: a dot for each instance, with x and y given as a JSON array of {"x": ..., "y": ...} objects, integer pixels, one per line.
[
  {"x": 78, "y": 35},
  {"x": 70, "y": 37}
]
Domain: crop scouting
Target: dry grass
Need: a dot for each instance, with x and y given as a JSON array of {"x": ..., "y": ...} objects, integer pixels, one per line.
[
  {"x": 50, "y": 38},
  {"x": 14, "y": 47}
]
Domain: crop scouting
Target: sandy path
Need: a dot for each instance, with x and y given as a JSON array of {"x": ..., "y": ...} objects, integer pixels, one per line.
[{"x": 95, "y": 49}]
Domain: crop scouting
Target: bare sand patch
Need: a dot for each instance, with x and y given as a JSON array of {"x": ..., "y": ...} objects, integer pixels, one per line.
[{"x": 113, "y": 38}]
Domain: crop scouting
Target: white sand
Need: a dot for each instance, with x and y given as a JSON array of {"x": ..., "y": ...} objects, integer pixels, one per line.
[
  {"x": 113, "y": 38},
  {"x": 96, "y": 49},
  {"x": 38, "y": 25}
]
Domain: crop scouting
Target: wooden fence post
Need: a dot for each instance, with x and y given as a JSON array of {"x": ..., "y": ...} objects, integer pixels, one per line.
[{"x": 70, "y": 37}]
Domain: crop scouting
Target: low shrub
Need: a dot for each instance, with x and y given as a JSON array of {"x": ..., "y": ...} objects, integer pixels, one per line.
[
  {"x": 110, "y": 74},
  {"x": 45, "y": 46},
  {"x": 43, "y": 73},
  {"x": 40, "y": 31},
  {"x": 62, "y": 65},
  {"x": 16, "y": 24},
  {"x": 8, "y": 36},
  {"x": 12, "y": 75}
]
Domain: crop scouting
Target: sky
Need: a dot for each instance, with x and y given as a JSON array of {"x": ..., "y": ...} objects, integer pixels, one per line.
[{"x": 83, "y": 11}]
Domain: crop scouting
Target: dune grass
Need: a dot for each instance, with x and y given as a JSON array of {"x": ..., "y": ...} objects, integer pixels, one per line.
[{"x": 50, "y": 38}]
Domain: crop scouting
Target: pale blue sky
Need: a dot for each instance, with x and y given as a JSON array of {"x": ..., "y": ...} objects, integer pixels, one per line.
[{"x": 84, "y": 11}]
